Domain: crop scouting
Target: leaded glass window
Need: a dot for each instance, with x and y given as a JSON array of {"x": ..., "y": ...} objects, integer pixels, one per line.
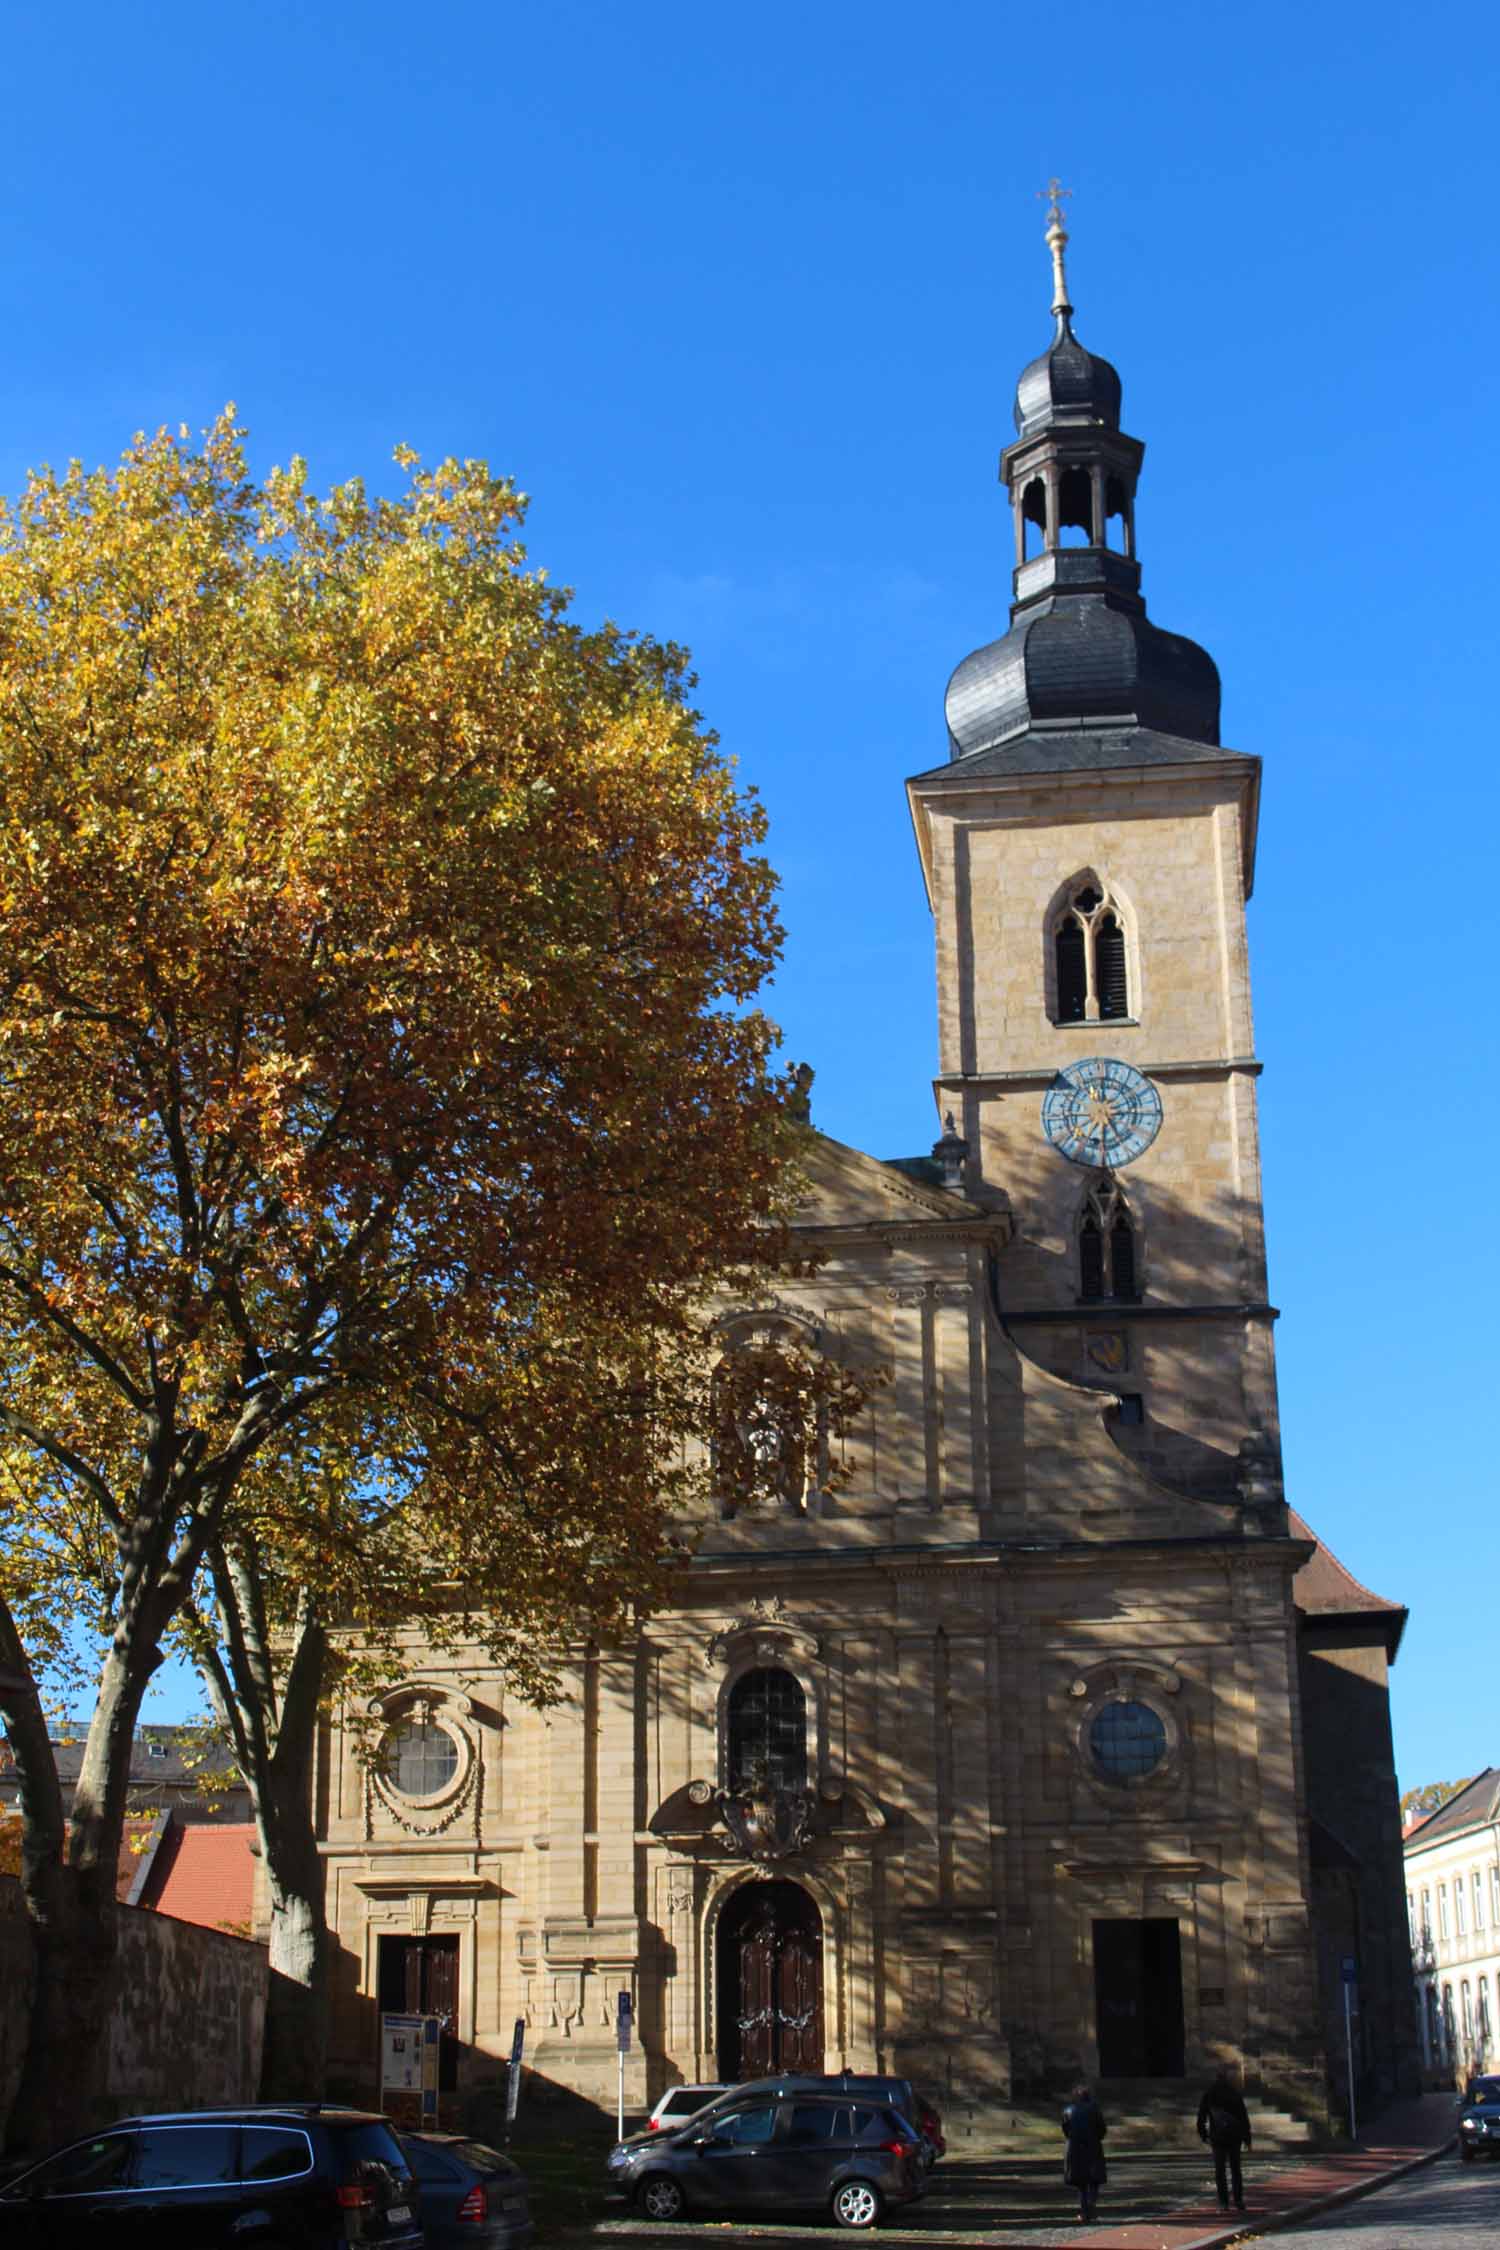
[{"x": 767, "y": 1730}]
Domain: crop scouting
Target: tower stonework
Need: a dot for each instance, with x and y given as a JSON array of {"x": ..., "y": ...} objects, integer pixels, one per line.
[{"x": 1007, "y": 1752}]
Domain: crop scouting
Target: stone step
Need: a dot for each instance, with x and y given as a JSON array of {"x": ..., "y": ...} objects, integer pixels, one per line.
[{"x": 1161, "y": 2123}]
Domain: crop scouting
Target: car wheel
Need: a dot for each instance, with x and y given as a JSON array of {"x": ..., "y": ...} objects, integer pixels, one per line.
[
  {"x": 856, "y": 2204},
  {"x": 660, "y": 2198}
]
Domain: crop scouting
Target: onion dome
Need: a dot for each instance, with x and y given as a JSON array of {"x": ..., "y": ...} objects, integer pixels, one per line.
[
  {"x": 1067, "y": 385},
  {"x": 1081, "y": 659},
  {"x": 1081, "y": 652}
]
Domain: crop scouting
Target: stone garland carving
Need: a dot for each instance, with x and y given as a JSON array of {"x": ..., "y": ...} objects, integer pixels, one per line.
[
  {"x": 426, "y": 1816},
  {"x": 418, "y": 1821}
]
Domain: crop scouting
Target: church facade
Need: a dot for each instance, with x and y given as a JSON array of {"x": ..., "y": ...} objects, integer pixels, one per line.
[{"x": 1022, "y": 1747}]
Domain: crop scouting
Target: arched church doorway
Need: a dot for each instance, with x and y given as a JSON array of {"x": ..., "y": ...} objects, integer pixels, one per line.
[{"x": 770, "y": 1982}]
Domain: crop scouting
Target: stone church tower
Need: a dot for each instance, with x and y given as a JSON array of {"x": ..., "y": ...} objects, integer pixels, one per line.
[{"x": 1042, "y": 1739}]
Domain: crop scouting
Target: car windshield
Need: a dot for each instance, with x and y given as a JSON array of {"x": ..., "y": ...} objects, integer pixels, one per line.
[{"x": 1485, "y": 2090}]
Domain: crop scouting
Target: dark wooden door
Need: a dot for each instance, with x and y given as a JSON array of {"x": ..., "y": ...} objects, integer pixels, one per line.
[
  {"x": 419, "y": 1977},
  {"x": 1138, "y": 1997},
  {"x": 770, "y": 1983}
]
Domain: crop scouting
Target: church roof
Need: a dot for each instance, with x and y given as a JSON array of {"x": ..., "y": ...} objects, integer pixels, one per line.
[
  {"x": 848, "y": 1189},
  {"x": 1323, "y": 1587}
]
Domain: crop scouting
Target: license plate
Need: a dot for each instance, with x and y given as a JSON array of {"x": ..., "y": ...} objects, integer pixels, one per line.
[{"x": 399, "y": 2215}]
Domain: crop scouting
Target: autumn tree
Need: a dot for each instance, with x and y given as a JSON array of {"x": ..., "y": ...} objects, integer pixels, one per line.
[
  {"x": 378, "y": 1090},
  {"x": 1429, "y": 1798}
]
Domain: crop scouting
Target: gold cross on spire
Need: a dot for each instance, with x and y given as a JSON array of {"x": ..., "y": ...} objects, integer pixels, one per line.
[{"x": 1057, "y": 241}]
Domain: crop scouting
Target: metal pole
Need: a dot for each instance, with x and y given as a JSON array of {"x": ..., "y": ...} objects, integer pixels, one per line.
[
  {"x": 620, "y": 2104},
  {"x": 1349, "y": 2055}
]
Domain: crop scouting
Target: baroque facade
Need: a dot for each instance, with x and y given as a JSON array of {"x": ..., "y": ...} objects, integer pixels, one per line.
[{"x": 995, "y": 1757}]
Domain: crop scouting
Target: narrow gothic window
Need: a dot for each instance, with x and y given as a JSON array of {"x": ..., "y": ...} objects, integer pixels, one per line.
[
  {"x": 1106, "y": 1247},
  {"x": 1091, "y": 1256},
  {"x": 1089, "y": 959},
  {"x": 1072, "y": 973},
  {"x": 767, "y": 1730},
  {"x": 1109, "y": 967}
]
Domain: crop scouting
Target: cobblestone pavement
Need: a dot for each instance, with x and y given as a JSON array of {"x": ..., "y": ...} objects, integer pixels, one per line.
[{"x": 1446, "y": 2206}]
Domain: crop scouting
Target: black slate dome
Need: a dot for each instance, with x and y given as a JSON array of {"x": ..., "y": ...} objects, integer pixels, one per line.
[
  {"x": 1080, "y": 659},
  {"x": 1067, "y": 385}
]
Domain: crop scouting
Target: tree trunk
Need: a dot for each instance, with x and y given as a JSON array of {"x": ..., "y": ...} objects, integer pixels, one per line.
[
  {"x": 296, "y": 2048},
  {"x": 275, "y": 1737},
  {"x": 75, "y": 1924},
  {"x": 74, "y": 1943}
]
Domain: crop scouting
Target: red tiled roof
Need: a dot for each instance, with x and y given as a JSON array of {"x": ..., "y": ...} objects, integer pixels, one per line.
[
  {"x": 1324, "y": 1588},
  {"x": 204, "y": 1871}
]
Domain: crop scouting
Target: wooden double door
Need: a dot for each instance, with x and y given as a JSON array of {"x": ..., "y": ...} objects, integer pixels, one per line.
[
  {"x": 418, "y": 1976},
  {"x": 770, "y": 1982}
]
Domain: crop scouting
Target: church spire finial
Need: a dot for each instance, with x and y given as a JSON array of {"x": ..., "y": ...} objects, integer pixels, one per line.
[{"x": 1057, "y": 243}]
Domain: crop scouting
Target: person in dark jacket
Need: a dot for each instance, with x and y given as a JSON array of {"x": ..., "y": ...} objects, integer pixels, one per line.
[
  {"x": 1224, "y": 2122},
  {"x": 1083, "y": 2166}
]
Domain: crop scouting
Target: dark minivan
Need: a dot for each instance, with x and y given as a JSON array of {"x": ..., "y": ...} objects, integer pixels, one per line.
[
  {"x": 297, "y": 2177},
  {"x": 786, "y": 2151}
]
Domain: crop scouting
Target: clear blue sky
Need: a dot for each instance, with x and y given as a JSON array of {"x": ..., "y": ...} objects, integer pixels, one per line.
[{"x": 739, "y": 297}]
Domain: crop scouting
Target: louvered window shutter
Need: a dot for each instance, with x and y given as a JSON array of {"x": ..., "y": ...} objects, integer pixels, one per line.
[
  {"x": 1109, "y": 968},
  {"x": 1072, "y": 974},
  {"x": 1091, "y": 1258},
  {"x": 1121, "y": 1257}
]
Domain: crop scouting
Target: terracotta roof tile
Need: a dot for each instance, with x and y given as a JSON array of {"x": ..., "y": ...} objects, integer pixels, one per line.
[{"x": 204, "y": 1871}]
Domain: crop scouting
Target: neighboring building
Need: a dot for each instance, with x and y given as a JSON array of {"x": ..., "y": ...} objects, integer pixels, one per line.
[
  {"x": 1453, "y": 1909},
  {"x": 1047, "y": 1741},
  {"x": 199, "y": 1871},
  {"x": 172, "y": 1768}
]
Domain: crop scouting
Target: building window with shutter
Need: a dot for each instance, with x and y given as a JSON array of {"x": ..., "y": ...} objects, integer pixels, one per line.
[
  {"x": 1090, "y": 965},
  {"x": 1108, "y": 1260}
]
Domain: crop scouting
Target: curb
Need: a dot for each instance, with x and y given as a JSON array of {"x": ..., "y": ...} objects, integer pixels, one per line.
[{"x": 1277, "y": 2222}]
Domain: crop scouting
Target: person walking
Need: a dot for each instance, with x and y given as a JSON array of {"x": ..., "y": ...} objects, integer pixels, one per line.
[
  {"x": 1084, "y": 2167},
  {"x": 1224, "y": 2122}
]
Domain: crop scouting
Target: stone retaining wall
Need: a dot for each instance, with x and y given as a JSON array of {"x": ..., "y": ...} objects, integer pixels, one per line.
[{"x": 188, "y": 2019}]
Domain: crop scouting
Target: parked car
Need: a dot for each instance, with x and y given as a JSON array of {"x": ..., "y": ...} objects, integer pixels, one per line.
[
  {"x": 902, "y": 2095},
  {"x": 473, "y": 2197},
  {"x": 792, "y": 2149},
  {"x": 679, "y": 2103},
  {"x": 1479, "y": 2119},
  {"x": 898, "y": 2093},
  {"x": 290, "y": 2177}
]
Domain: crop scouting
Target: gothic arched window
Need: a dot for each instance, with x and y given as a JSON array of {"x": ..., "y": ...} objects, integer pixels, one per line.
[
  {"x": 767, "y": 1730},
  {"x": 1091, "y": 977},
  {"x": 1108, "y": 1267}
]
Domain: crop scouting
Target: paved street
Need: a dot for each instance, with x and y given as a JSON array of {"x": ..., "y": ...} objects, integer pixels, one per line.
[{"x": 1449, "y": 2205}]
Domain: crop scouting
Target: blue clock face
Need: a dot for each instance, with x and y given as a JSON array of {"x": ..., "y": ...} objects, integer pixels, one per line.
[{"x": 1101, "y": 1112}]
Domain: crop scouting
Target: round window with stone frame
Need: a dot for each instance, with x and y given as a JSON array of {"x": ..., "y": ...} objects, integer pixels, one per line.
[
  {"x": 1127, "y": 1740},
  {"x": 419, "y": 1757}
]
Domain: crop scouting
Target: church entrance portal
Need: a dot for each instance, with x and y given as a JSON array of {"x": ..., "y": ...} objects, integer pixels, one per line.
[
  {"x": 770, "y": 1982},
  {"x": 1138, "y": 1995}
]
